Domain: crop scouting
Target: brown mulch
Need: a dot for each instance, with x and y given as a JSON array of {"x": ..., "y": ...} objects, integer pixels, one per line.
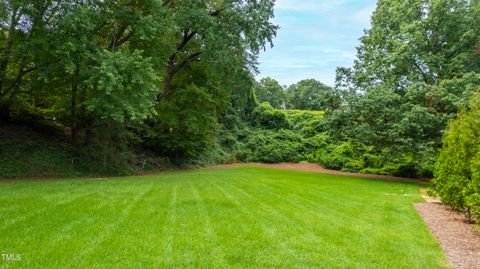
[
  {"x": 310, "y": 167},
  {"x": 460, "y": 241}
]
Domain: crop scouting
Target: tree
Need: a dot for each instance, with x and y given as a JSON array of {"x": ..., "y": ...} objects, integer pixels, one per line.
[
  {"x": 457, "y": 175},
  {"x": 418, "y": 42},
  {"x": 22, "y": 34},
  {"x": 105, "y": 70},
  {"x": 311, "y": 95},
  {"x": 415, "y": 67},
  {"x": 269, "y": 90},
  {"x": 222, "y": 33}
]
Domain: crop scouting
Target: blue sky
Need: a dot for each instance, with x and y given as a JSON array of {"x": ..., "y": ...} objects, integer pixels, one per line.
[{"x": 315, "y": 37}]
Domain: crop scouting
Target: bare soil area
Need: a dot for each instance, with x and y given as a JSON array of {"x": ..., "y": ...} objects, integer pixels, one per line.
[{"x": 310, "y": 167}]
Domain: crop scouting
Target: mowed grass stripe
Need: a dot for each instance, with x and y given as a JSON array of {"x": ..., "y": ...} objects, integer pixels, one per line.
[
  {"x": 263, "y": 239},
  {"x": 297, "y": 234},
  {"x": 248, "y": 230},
  {"x": 235, "y": 218},
  {"x": 345, "y": 233},
  {"x": 109, "y": 231}
]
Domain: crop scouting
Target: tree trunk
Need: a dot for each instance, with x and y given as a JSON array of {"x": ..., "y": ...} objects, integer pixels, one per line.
[
  {"x": 73, "y": 108},
  {"x": 8, "y": 48},
  {"x": 468, "y": 216},
  {"x": 167, "y": 83}
]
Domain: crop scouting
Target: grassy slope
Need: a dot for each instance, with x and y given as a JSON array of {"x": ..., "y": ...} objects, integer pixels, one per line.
[{"x": 240, "y": 218}]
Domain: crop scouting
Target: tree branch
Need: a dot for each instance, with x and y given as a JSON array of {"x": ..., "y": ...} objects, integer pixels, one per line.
[
  {"x": 187, "y": 36},
  {"x": 22, "y": 72},
  {"x": 425, "y": 78},
  {"x": 187, "y": 60}
]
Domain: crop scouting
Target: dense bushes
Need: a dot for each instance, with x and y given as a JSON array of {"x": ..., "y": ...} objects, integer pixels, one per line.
[
  {"x": 272, "y": 147},
  {"x": 185, "y": 124},
  {"x": 457, "y": 175},
  {"x": 308, "y": 122},
  {"x": 275, "y": 136},
  {"x": 278, "y": 146},
  {"x": 264, "y": 115},
  {"x": 350, "y": 157}
]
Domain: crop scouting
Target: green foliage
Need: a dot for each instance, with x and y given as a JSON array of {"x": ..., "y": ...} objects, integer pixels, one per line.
[
  {"x": 355, "y": 157},
  {"x": 269, "y": 90},
  {"x": 457, "y": 180},
  {"x": 106, "y": 149},
  {"x": 24, "y": 152},
  {"x": 264, "y": 115},
  {"x": 162, "y": 70},
  {"x": 185, "y": 124},
  {"x": 415, "y": 67},
  {"x": 45, "y": 152},
  {"x": 273, "y": 147},
  {"x": 177, "y": 77},
  {"x": 276, "y": 135},
  {"x": 311, "y": 95},
  {"x": 124, "y": 87},
  {"x": 308, "y": 122}
]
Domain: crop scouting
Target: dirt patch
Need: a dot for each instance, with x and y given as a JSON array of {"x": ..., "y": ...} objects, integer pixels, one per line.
[
  {"x": 459, "y": 240},
  {"x": 288, "y": 166},
  {"x": 310, "y": 167}
]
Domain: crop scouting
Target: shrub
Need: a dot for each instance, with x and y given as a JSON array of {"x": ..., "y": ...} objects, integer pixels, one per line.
[
  {"x": 344, "y": 156},
  {"x": 268, "y": 117},
  {"x": 457, "y": 174},
  {"x": 185, "y": 123},
  {"x": 309, "y": 123},
  {"x": 273, "y": 147}
]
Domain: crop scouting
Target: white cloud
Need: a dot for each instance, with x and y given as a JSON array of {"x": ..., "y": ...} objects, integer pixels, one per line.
[{"x": 362, "y": 16}]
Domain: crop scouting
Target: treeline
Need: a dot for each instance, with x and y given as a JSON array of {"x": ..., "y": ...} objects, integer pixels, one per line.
[
  {"x": 159, "y": 75},
  {"x": 308, "y": 94}
]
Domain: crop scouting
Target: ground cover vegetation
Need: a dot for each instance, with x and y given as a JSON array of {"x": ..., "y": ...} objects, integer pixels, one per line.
[{"x": 233, "y": 218}]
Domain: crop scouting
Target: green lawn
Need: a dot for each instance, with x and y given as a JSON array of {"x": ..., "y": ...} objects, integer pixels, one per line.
[{"x": 240, "y": 218}]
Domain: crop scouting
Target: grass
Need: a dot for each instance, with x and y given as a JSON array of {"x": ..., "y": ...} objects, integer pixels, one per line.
[{"x": 235, "y": 218}]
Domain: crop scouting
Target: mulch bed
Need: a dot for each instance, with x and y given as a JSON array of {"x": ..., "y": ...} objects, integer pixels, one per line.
[{"x": 460, "y": 241}]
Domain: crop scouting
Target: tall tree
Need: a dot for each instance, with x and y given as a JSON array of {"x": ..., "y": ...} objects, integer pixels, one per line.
[
  {"x": 227, "y": 33},
  {"x": 415, "y": 67},
  {"x": 311, "y": 94},
  {"x": 269, "y": 90}
]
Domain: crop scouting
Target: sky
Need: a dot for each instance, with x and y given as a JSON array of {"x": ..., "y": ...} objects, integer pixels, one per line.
[{"x": 315, "y": 37}]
